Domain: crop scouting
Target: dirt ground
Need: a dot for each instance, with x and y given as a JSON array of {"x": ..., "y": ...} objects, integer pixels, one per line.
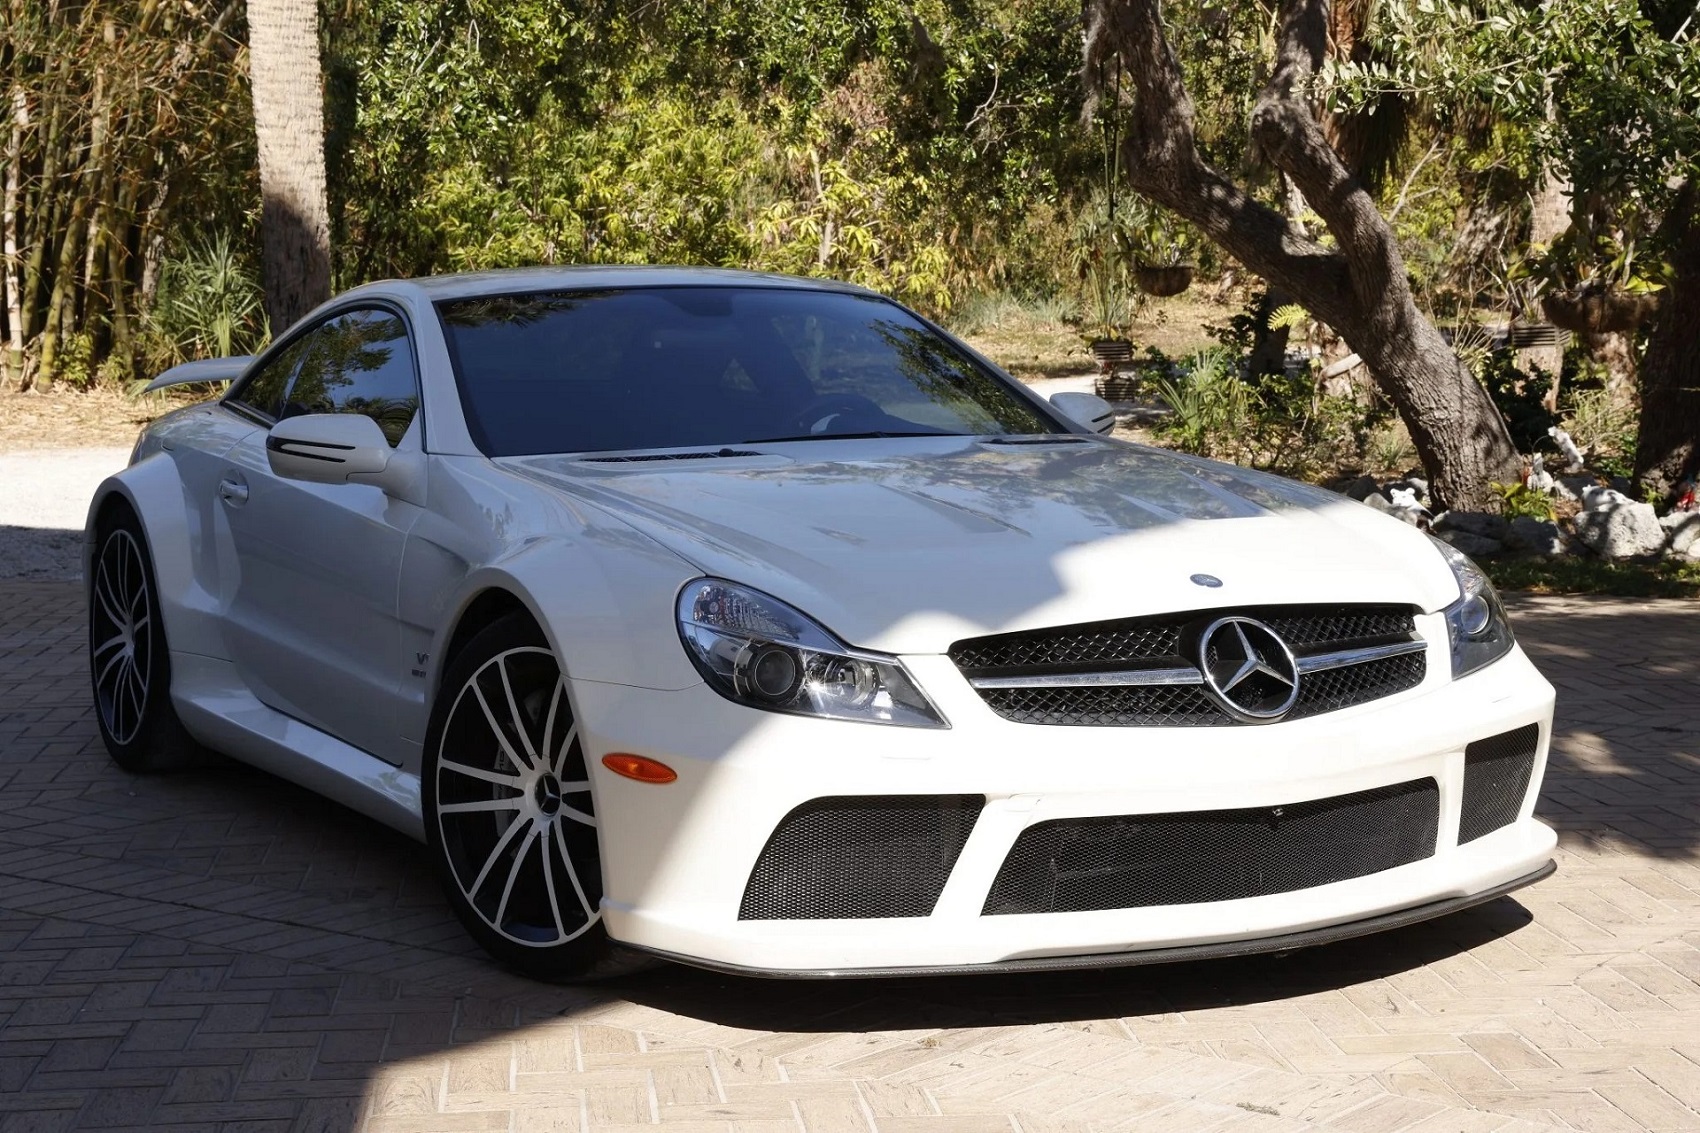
[
  {"x": 1033, "y": 348},
  {"x": 103, "y": 417}
]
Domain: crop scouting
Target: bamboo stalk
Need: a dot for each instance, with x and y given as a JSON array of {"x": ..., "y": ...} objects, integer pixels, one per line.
[{"x": 13, "y": 369}]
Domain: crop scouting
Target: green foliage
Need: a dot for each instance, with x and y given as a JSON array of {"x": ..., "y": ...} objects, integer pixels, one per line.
[
  {"x": 1521, "y": 500},
  {"x": 1518, "y": 395},
  {"x": 1575, "y": 574},
  {"x": 921, "y": 149},
  {"x": 1212, "y": 407},
  {"x": 1280, "y": 422},
  {"x": 1604, "y": 427},
  {"x": 1605, "y": 92},
  {"x": 208, "y": 305}
]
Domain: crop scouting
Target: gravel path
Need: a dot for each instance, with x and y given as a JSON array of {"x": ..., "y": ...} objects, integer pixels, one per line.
[{"x": 44, "y": 499}]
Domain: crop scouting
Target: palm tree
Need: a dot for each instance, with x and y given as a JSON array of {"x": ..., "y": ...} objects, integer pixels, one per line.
[{"x": 289, "y": 123}]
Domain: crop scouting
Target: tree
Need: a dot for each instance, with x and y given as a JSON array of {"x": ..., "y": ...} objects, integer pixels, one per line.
[
  {"x": 1608, "y": 94},
  {"x": 122, "y": 124},
  {"x": 1358, "y": 286},
  {"x": 289, "y": 124}
]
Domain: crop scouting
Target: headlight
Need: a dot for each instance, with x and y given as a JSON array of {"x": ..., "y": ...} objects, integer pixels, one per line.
[
  {"x": 1476, "y": 621},
  {"x": 758, "y": 651}
]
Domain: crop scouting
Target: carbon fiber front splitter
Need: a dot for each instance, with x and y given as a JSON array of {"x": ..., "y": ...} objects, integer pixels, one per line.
[{"x": 1283, "y": 943}]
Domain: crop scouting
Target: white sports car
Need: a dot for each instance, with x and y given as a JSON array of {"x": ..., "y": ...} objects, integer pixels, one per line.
[{"x": 759, "y": 624}]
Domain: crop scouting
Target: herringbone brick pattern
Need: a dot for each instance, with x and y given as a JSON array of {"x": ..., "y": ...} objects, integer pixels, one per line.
[{"x": 218, "y": 950}]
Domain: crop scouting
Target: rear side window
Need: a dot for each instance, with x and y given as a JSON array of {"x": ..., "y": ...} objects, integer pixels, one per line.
[{"x": 359, "y": 362}]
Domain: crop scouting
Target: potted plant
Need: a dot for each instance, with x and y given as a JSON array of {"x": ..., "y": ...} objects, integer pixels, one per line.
[
  {"x": 1109, "y": 306},
  {"x": 1162, "y": 251},
  {"x": 1598, "y": 285}
]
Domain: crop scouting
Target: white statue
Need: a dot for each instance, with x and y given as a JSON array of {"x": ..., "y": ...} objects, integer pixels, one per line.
[
  {"x": 1567, "y": 448},
  {"x": 1539, "y": 478},
  {"x": 1405, "y": 505},
  {"x": 1597, "y": 497}
]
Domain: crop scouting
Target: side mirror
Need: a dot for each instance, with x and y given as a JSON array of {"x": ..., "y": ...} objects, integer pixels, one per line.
[
  {"x": 1086, "y": 409},
  {"x": 327, "y": 448}
]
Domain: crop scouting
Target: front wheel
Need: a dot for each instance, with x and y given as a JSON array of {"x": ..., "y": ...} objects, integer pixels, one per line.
[
  {"x": 129, "y": 661},
  {"x": 509, "y": 811}
]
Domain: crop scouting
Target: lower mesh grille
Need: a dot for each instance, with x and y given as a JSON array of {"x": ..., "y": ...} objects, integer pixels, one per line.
[
  {"x": 1131, "y": 862},
  {"x": 1496, "y": 778},
  {"x": 875, "y": 856}
]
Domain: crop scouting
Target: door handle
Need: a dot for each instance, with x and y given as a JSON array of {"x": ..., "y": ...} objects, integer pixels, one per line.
[{"x": 233, "y": 491}]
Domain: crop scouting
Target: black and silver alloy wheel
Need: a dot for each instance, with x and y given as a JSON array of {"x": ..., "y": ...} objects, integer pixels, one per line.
[
  {"x": 129, "y": 662},
  {"x": 510, "y": 811},
  {"x": 121, "y": 635}
]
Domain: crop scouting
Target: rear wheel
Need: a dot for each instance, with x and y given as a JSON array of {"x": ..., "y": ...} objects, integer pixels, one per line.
[
  {"x": 509, "y": 810},
  {"x": 129, "y": 662}
]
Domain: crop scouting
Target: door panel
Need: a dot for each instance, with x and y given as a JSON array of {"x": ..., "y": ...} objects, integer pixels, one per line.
[
  {"x": 310, "y": 608},
  {"x": 309, "y": 599}
]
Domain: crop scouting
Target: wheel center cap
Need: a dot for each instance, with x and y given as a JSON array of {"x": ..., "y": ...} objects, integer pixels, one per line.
[{"x": 548, "y": 794}]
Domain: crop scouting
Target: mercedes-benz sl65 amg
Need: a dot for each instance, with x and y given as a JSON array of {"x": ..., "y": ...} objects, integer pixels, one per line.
[{"x": 760, "y": 624}]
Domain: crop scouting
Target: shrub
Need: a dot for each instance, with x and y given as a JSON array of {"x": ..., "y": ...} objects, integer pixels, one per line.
[
  {"x": 1521, "y": 500},
  {"x": 208, "y": 305}
]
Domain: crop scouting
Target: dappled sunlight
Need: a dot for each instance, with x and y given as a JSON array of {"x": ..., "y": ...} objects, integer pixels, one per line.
[{"x": 1624, "y": 768}]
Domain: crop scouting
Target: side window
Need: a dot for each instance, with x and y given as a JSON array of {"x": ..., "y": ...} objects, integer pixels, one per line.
[
  {"x": 263, "y": 390},
  {"x": 359, "y": 362}
]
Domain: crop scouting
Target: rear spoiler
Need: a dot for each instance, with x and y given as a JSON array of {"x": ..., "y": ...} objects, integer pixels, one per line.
[{"x": 206, "y": 370}]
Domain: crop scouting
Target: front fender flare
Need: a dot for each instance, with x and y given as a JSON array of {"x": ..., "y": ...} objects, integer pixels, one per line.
[{"x": 153, "y": 490}]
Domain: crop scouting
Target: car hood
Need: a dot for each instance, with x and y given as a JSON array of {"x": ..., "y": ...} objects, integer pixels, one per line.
[{"x": 908, "y": 546}]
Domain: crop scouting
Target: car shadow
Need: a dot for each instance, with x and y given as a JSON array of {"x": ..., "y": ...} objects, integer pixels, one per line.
[
  {"x": 223, "y": 946},
  {"x": 1016, "y": 999}
]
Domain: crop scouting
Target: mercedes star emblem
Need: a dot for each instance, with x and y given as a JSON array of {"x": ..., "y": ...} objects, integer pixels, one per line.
[{"x": 1248, "y": 669}]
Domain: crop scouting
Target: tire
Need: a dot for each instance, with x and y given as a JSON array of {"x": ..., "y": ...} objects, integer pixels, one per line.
[
  {"x": 512, "y": 829},
  {"x": 129, "y": 661}
]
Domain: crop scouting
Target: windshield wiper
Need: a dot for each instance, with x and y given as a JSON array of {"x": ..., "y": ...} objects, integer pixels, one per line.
[{"x": 848, "y": 437}]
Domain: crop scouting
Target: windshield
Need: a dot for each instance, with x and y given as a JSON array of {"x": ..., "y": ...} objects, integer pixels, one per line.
[{"x": 675, "y": 367}]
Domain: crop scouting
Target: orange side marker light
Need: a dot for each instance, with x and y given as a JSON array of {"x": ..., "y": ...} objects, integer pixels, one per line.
[{"x": 641, "y": 768}]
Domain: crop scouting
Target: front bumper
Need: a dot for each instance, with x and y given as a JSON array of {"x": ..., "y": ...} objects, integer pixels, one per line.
[
  {"x": 676, "y": 858},
  {"x": 1285, "y": 942}
]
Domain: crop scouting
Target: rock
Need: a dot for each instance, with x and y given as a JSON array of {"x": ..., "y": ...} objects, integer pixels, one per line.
[
  {"x": 1475, "y": 546},
  {"x": 1572, "y": 487},
  {"x": 1621, "y": 530},
  {"x": 1478, "y": 523},
  {"x": 1597, "y": 497},
  {"x": 1537, "y": 535},
  {"x": 1682, "y": 528},
  {"x": 1360, "y": 489},
  {"x": 1410, "y": 514}
]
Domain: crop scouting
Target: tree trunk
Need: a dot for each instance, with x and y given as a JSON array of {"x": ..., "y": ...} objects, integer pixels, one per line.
[
  {"x": 1360, "y": 289},
  {"x": 289, "y": 124},
  {"x": 1549, "y": 217},
  {"x": 1667, "y": 445}
]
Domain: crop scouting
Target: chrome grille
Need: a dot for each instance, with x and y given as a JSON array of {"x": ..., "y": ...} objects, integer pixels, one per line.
[{"x": 1137, "y": 672}]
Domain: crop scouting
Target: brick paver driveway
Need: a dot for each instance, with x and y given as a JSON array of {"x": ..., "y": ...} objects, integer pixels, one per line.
[{"x": 221, "y": 950}]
